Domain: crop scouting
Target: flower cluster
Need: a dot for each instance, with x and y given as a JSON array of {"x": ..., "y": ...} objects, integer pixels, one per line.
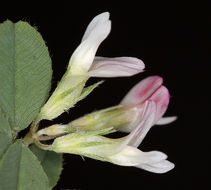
[{"x": 143, "y": 107}]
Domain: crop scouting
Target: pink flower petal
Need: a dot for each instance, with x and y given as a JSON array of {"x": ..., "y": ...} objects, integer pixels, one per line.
[
  {"x": 142, "y": 91},
  {"x": 161, "y": 99},
  {"x": 115, "y": 67}
]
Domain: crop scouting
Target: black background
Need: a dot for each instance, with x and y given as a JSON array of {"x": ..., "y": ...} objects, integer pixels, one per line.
[{"x": 173, "y": 41}]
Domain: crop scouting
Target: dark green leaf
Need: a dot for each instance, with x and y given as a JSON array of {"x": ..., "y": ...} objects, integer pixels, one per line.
[
  {"x": 20, "y": 170},
  {"x": 4, "y": 124},
  {"x": 5, "y": 142},
  {"x": 51, "y": 163},
  {"x": 5, "y": 134}
]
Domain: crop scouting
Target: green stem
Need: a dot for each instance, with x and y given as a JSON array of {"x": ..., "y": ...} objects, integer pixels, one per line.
[
  {"x": 42, "y": 146},
  {"x": 35, "y": 124},
  {"x": 45, "y": 138},
  {"x": 29, "y": 138}
]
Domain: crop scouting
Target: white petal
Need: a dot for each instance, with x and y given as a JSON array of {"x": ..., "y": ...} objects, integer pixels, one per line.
[
  {"x": 131, "y": 156},
  {"x": 101, "y": 18},
  {"x": 138, "y": 134},
  {"x": 142, "y": 112},
  {"x": 153, "y": 157},
  {"x": 160, "y": 167},
  {"x": 141, "y": 133},
  {"x": 166, "y": 120},
  {"x": 116, "y": 67},
  {"x": 83, "y": 56}
]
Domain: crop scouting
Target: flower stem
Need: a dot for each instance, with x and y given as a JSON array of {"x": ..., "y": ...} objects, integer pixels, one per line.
[
  {"x": 42, "y": 146},
  {"x": 35, "y": 124},
  {"x": 29, "y": 138}
]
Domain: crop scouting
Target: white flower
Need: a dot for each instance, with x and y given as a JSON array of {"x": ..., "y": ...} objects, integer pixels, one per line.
[
  {"x": 83, "y": 59},
  {"x": 83, "y": 64},
  {"x": 153, "y": 161}
]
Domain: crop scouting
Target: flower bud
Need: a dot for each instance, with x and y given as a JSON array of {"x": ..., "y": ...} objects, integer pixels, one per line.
[{"x": 53, "y": 130}]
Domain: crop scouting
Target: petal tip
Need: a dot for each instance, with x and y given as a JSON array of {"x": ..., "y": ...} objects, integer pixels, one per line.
[
  {"x": 157, "y": 79},
  {"x": 143, "y": 90},
  {"x": 105, "y": 14},
  {"x": 166, "y": 120}
]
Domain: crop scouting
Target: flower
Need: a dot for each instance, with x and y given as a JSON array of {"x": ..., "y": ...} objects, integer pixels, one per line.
[
  {"x": 122, "y": 151},
  {"x": 83, "y": 64},
  {"x": 153, "y": 161},
  {"x": 148, "y": 89},
  {"x": 125, "y": 116}
]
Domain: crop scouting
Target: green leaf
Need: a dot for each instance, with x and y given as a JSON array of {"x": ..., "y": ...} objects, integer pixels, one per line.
[
  {"x": 20, "y": 170},
  {"x": 25, "y": 73},
  {"x": 4, "y": 124},
  {"x": 51, "y": 163},
  {"x": 5, "y": 142},
  {"x": 5, "y": 134}
]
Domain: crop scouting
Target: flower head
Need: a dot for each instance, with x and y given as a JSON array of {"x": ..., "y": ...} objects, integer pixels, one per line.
[{"x": 140, "y": 109}]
